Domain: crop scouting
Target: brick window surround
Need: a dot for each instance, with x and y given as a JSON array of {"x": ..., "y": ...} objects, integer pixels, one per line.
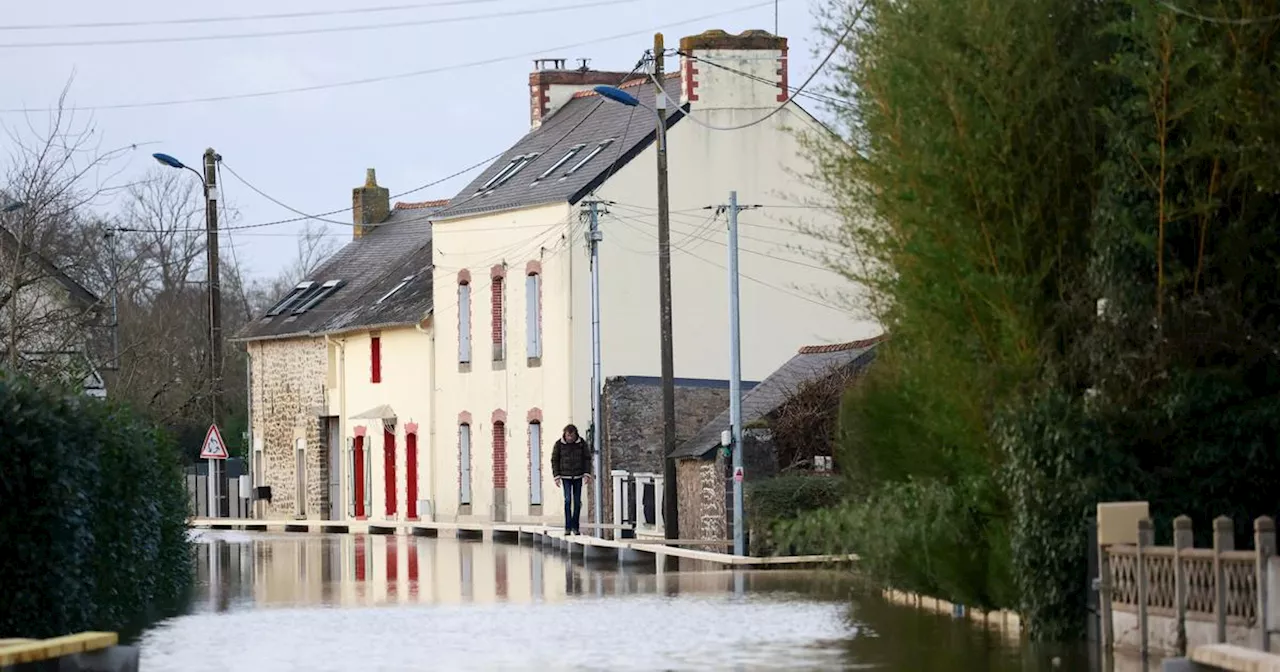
[
  {"x": 497, "y": 298},
  {"x": 499, "y": 449}
]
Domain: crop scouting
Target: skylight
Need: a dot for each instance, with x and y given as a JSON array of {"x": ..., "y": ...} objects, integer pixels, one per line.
[
  {"x": 326, "y": 290},
  {"x": 573, "y": 151},
  {"x": 515, "y": 166},
  {"x": 290, "y": 298},
  {"x": 599, "y": 148},
  {"x": 394, "y": 290}
]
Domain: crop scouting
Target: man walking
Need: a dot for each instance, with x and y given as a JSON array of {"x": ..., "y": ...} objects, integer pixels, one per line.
[{"x": 571, "y": 464}]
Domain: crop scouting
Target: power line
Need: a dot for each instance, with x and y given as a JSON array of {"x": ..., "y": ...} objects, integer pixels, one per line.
[
  {"x": 314, "y": 31},
  {"x": 381, "y": 78},
  {"x": 800, "y": 90},
  {"x": 243, "y": 17}
]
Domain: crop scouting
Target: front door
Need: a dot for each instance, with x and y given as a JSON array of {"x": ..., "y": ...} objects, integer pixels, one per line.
[
  {"x": 357, "y": 477},
  {"x": 411, "y": 474},
  {"x": 300, "y": 476},
  {"x": 335, "y": 469},
  {"x": 389, "y": 469}
]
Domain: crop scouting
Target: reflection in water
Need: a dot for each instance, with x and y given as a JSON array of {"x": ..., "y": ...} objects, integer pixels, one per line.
[{"x": 360, "y": 602}]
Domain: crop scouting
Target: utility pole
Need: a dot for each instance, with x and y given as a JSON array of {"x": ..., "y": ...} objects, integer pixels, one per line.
[
  {"x": 735, "y": 379},
  {"x": 593, "y": 238},
  {"x": 211, "y": 159},
  {"x": 671, "y": 511}
]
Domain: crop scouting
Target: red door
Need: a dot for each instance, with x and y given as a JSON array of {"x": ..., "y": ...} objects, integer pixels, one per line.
[
  {"x": 389, "y": 469},
  {"x": 357, "y": 475},
  {"x": 411, "y": 474}
]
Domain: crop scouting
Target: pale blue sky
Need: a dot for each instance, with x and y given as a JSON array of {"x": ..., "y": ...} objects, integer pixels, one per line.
[{"x": 309, "y": 149}]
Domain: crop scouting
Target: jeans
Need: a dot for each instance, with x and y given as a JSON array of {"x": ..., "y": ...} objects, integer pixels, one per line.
[{"x": 572, "y": 502}]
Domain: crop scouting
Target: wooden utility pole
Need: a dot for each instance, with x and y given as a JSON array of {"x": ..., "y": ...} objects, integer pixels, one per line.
[
  {"x": 670, "y": 507},
  {"x": 211, "y": 159}
]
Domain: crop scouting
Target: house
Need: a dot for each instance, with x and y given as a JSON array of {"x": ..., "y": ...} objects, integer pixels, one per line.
[
  {"x": 341, "y": 370},
  {"x": 511, "y": 264},
  {"x": 48, "y": 317},
  {"x": 704, "y": 472}
]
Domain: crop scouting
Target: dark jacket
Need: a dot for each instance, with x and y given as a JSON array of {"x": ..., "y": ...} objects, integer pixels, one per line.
[{"x": 570, "y": 460}]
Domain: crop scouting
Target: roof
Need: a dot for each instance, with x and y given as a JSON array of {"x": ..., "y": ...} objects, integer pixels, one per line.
[
  {"x": 810, "y": 363},
  {"x": 392, "y": 260},
  {"x": 586, "y": 120},
  {"x": 77, "y": 291}
]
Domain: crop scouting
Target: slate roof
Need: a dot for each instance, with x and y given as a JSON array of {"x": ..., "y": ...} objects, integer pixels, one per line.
[
  {"x": 587, "y": 120},
  {"x": 370, "y": 267},
  {"x": 810, "y": 363}
]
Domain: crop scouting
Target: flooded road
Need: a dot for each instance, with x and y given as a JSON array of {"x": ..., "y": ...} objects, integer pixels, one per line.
[{"x": 359, "y": 602}]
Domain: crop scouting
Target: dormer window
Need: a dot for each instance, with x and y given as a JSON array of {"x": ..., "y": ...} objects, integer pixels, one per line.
[
  {"x": 395, "y": 289},
  {"x": 516, "y": 165},
  {"x": 326, "y": 290},
  {"x": 599, "y": 148},
  {"x": 573, "y": 151},
  {"x": 291, "y": 298}
]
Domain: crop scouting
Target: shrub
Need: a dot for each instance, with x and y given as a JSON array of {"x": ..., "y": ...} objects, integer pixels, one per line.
[
  {"x": 93, "y": 514},
  {"x": 782, "y": 498}
]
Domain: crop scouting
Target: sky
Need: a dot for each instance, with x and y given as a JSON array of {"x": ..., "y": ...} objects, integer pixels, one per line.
[{"x": 308, "y": 149}]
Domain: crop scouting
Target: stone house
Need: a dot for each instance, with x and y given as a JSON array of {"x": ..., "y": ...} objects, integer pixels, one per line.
[
  {"x": 704, "y": 470},
  {"x": 340, "y": 375}
]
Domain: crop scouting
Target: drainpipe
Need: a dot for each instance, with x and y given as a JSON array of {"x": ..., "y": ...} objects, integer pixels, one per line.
[
  {"x": 248, "y": 403},
  {"x": 431, "y": 406},
  {"x": 342, "y": 413}
]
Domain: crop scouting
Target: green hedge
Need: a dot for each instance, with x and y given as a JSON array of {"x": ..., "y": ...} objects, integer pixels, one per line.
[
  {"x": 776, "y": 500},
  {"x": 92, "y": 513}
]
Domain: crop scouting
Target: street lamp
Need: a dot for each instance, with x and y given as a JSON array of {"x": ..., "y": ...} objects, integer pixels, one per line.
[
  {"x": 670, "y": 513},
  {"x": 16, "y": 205},
  {"x": 209, "y": 180}
]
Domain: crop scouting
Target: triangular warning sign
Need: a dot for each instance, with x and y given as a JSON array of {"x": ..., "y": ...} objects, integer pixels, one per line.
[{"x": 213, "y": 448}]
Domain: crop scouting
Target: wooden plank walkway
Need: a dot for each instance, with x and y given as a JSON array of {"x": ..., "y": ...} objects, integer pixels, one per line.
[
  {"x": 654, "y": 547},
  {"x": 17, "y": 651}
]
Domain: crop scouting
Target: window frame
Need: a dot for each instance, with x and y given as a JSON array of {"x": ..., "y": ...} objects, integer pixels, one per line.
[{"x": 464, "y": 322}]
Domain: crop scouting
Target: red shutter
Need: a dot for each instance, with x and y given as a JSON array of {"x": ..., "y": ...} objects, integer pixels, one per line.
[
  {"x": 411, "y": 474},
  {"x": 358, "y": 477},
  {"x": 499, "y": 455},
  {"x": 389, "y": 470},
  {"x": 375, "y": 356}
]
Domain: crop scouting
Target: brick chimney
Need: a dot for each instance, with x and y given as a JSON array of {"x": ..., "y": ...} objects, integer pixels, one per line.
[
  {"x": 551, "y": 85},
  {"x": 370, "y": 205},
  {"x": 754, "y": 52}
]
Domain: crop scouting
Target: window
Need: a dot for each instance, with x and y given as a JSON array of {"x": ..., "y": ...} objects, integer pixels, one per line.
[
  {"x": 533, "y": 315},
  {"x": 464, "y": 464},
  {"x": 573, "y": 151},
  {"x": 314, "y": 299},
  {"x": 535, "y": 463},
  {"x": 464, "y": 323},
  {"x": 375, "y": 359},
  {"x": 395, "y": 289},
  {"x": 495, "y": 314},
  {"x": 514, "y": 166},
  {"x": 300, "y": 475},
  {"x": 599, "y": 148},
  {"x": 290, "y": 298}
]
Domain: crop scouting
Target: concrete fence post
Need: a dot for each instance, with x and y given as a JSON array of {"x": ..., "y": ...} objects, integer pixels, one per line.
[
  {"x": 1183, "y": 539},
  {"x": 1104, "y": 597},
  {"x": 1146, "y": 539},
  {"x": 1223, "y": 540},
  {"x": 1264, "y": 544}
]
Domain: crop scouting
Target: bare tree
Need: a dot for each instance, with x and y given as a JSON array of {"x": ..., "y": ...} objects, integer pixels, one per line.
[
  {"x": 313, "y": 248},
  {"x": 48, "y": 318}
]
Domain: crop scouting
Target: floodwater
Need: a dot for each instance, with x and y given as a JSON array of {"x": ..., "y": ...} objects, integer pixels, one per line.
[{"x": 358, "y": 602}]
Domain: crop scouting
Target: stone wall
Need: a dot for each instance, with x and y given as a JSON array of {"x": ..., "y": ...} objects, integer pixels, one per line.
[
  {"x": 288, "y": 399},
  {"x": 700, "y": 489},
  {"x": 632, "y": 417}
]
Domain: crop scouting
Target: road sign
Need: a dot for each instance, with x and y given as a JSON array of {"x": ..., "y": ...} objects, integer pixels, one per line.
[
  {"x": 737, "y": 475},
  {"x": 214, "y": 448}
]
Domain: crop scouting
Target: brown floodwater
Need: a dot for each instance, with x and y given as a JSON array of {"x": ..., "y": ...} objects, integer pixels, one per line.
[{"x": 267, "y": 601}]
